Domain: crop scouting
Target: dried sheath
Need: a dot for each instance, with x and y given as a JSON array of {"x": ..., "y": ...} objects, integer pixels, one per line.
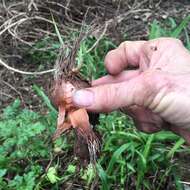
[{"x": 66, "y": 82}]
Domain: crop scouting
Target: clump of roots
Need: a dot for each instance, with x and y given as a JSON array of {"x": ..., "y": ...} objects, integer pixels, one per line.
[{"x": 87, "y": 146}]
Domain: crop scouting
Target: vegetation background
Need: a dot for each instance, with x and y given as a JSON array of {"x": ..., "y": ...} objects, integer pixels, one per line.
[{"x": 30, "y": 36}]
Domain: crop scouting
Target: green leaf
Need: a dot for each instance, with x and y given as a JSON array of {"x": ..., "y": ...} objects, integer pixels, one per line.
[
  {"x": 52, "y": 175},
  {"x": 103, "y": 176},
  {"x": 155, "y": 30},
  {"x": 178, "y": 30},
  {"x": 11, "y": 110},
  {"x": 3, "y": 172},
  {"x": 115, "y": 157},
  {"x": 175, "y": 147},
  {"x": 142, "y": 165},
  {"x": 187, "y": 39},
  {"x": 89, "y": 174},
  {"x": 71, "y": 169},
  {"x": 45, "y": 98},
  {"x": 165, "y": 136},
  {"x": 130, "y": 167},
  {"x": 25, "y": 182}
]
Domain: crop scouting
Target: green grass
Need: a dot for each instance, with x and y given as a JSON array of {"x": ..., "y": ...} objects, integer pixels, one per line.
[{"x": 129, "y": 158}]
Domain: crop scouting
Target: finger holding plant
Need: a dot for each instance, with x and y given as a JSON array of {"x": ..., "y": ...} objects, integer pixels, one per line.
[{"x": 155, "y": 93}]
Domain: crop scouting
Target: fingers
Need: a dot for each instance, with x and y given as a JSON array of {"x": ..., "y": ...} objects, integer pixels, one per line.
[
  {"x": 133, "y": 54},
  {"x": 145, "y": 120},
  {"x": 124, "y": 76},
  {"x": 109, "y": 97},
  {"x": 127, "y": 54}
]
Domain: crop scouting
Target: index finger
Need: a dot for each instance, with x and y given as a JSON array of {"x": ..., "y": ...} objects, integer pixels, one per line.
[{"x": 127, "y": 54}]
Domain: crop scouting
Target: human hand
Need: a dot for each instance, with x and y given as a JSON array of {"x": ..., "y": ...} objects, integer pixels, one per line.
[{"x": 156, "y": 93}]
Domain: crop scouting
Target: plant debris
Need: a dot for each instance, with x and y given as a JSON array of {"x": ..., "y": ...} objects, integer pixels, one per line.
[{"x": 67, "y": 81}]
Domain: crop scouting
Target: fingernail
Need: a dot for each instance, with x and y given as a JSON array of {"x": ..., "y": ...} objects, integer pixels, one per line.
[{"x": 83, "y": 98}]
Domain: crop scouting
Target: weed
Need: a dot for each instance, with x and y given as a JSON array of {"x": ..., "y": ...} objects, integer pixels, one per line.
[
  {"x": 129, "y": 160},
  {"x": 169, "y": 29},
  {"x": 24, "y": 135},
  {"x": 43, "y": 53}
]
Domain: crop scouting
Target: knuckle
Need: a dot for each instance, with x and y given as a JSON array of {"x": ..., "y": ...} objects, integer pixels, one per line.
[
  {"x": 156, "y": 86},
  {"x": 163, "y": 41},
  {"x": 155, "y": 78},
  {"x": 148, "y": 79},
  {"x": 124, "y": 44},
  {"x": 176, "y": 41},
  {"x": 153, "y": 82},
  {"x": 106, "y": 101}
]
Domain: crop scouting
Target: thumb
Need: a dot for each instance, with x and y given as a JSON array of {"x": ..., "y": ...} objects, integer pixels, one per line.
[{"x": 109, "y": 97}]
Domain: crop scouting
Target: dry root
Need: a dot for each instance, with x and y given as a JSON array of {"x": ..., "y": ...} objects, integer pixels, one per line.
[{"x": 87, "y": 145}]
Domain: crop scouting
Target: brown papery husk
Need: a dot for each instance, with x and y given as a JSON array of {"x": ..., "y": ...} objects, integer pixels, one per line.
[{"x": 87, "y": 143}]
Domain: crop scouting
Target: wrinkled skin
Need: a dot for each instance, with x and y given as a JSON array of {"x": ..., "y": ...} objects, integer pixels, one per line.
[{"x": 156, "y": 93}]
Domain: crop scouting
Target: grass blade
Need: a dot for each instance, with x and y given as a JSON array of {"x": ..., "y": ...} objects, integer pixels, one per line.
[
  {"x": 178, "y": 30},
  {"x": 148, "y": 146},
  {"x": 175, "y": 148},
  {"x": 187, "y": 39},
  {"x": 163, "y": 136},
  {"x": 103, "y": 176},
  {"x": 143, "y": 162},
  {"x": 154, "y": 30},
  {"x": 45, "y": 98},
  {"x": 57, "y": 30},
  {"x": 115, "y": 157}
]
